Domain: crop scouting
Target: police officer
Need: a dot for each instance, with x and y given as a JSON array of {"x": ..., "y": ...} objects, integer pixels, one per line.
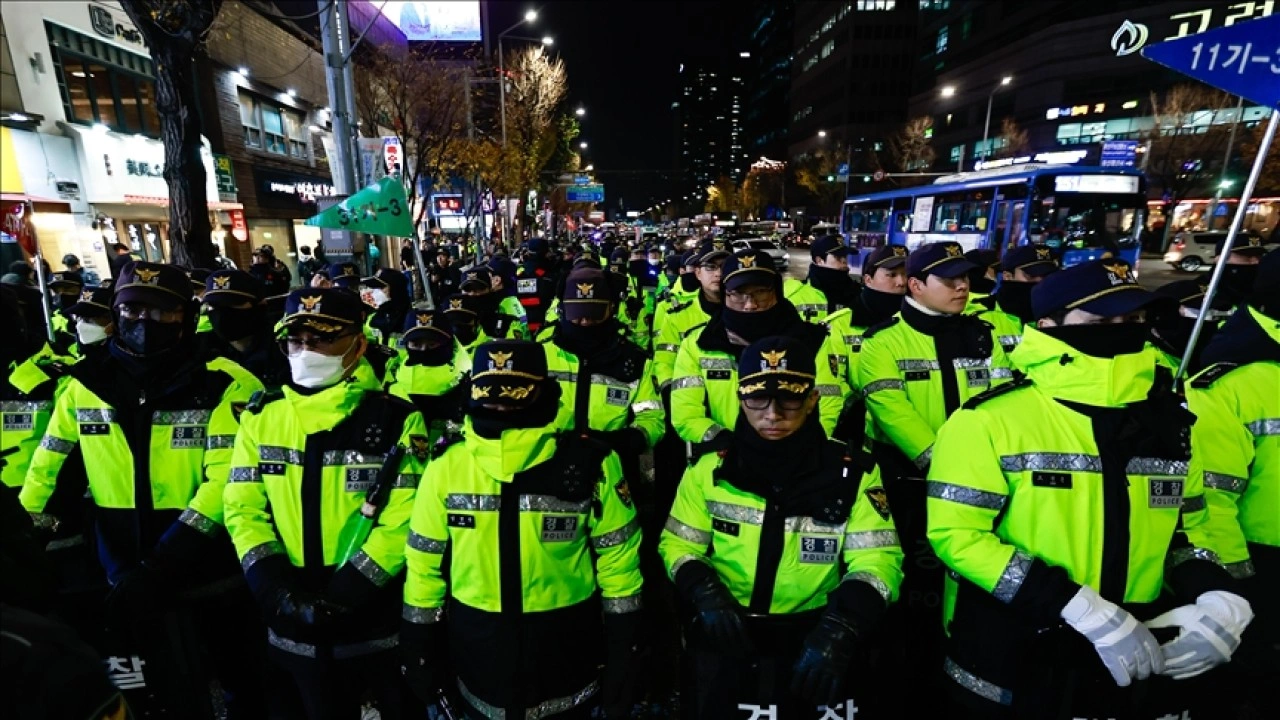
[
  {"x": 884, "y": 282},
  {"x": 704, "y": 402},
  {"x": 536, "y": 282},
  {"x": 145, "y": 418},
  {"x": 1172, "y": 322},
  {"x": 916, "y": 369},
  {"x": 494, "y": 310},
  {"x": 65, "y": 288},
  {"x": 1235, "y": 454},
  {"x": 529, "y": 536},
  {"x": 1057, "y": 502},
  {"x": 389, "y": 291},
  {"x": 431, "y": 371},
  {"x": 982, "y": 278},
  {"x": 504, "y": 284},
  {"x": 805, "y": 555},
  {"x": 693, "y": 310},
  {"x": 323, "y": 573},
  {"x": 241, "y": 333},
  {"x": 92, "y": 320},
  {"x": 1241, "y": 267},
  {"x": 1009, "y": 308},
  {"x": 829, "y": 286}
]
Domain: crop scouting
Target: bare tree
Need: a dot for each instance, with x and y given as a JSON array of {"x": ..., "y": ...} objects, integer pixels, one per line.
[
  {"x": 420, "y": 99},
  {"x": 815, "y": 175},
  {"x": 537, "y": 85},
  {"x": 1013, "y": 139},
  {"x": 1269, "y": 181},
  {"x": 1185, "y": 148},
  {"x": 175, "y": 32},
  {"x": 910, "y": 148}
]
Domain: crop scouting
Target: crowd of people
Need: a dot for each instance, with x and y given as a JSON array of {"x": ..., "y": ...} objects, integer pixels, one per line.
[{"x": 596, "y": 480}]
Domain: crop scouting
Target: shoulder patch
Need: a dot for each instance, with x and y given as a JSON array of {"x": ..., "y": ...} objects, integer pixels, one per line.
[
  {"x": 1212, "y": 374},
  {"x": 880, "y": 326},
  {"x": 691, "y": 330},
  {"x": 261, "y": 399},
  {"x": 1019, "y": 381},
  {"x": 677, "y": 305},
  {"x": 879, "y": 501}
]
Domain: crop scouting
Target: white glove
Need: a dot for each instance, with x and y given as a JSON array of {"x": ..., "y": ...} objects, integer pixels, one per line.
[
  {"x": 1127, "y": 648},
  {"x": 1210, "y": 632}
]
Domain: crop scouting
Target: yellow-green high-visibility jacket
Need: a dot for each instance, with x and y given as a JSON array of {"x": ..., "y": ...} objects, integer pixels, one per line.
[
  {"x": 1007, "y": 328},
  {"x": 670, "y": 329},
  {"x": 150, "y": 463},
  {"x": 810, "y": 302},
  {"x": 704, "y": 392},
  {"x": 519, "y": 330},
  {"x": 619, "y": 390},
  {"x": 433, "y": 391},
  {"x": 24, "y": 413},
  {"x": 907, "y": 388},
  {"x": 204, "y": 324},
  {"x": 794, "y": 570},
  {"x": 1024, "y": 507},
  {"x": 300, "y": 471},
  {"x": 511, "y": 549},
  {"x": 847, "y": 338},
  {"x": 1235, "y": 452}
]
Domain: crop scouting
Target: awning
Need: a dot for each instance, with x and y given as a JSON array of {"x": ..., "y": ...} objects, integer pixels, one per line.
[
  {"x": 164, "y": 202},
  {"x": 23, "y": 197}
]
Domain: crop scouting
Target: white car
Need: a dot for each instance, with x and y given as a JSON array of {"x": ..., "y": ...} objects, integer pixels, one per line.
[{"x": 780, "y": 257}]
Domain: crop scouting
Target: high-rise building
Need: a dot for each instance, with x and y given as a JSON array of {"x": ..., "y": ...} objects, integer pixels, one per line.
[
  {"x": 768, "y": 80},
  {"x": 851, "y": 74},
  {"x": 711, "y": 129}
]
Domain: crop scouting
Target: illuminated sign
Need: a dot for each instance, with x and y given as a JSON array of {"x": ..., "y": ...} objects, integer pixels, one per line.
[
  {"x": 1054, "y": 113},
  {"x": 435, "y": 21},
  {"x": 1131, "y": 36},
  {"x": 1096, "y": 183},
  {"x": 447, "y": 205},
  {"x": 1056, "y": 157}
]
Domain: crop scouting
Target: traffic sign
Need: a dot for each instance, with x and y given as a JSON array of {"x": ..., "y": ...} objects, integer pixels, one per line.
[
  {"x": 1242, "y": 59},
  {"x": 1119, "y": 153},
  {"x": 584, "y": 193},
  {"x": 379, "y": 209},
  {"x": 581, "y": 179},
  {"x": 842, "y": 169},
  {"x": 877, "y": 175}
]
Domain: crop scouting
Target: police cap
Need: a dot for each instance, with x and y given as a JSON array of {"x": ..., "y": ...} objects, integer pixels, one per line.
[
  {"x": 232, "y": 287},
  {"x": 325, "y": 311},
  {"x": 1034, "y": 260},
  {"x": 507, "y": 372},
  {"x": 776, "y": 367},
  {"x": 163, "y": 286},
  {"x": 944, "y": 259},
  {"x": 1105, "y": 288}
]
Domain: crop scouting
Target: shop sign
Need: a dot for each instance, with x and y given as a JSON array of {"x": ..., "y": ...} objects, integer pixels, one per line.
[
  {"x": 105, "y": 25},
  {"x": 1130, "y": 36},
  {"x": 291, "y": 191},
  {"x": 225, "y": 177},
  {"x": 117, "y": 165},
  {"x": 142, "y": 168},
  {"x": 239, "y": 228}
]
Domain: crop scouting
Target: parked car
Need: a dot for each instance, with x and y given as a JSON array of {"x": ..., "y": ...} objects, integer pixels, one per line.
[{"x": 780, "y": 256}]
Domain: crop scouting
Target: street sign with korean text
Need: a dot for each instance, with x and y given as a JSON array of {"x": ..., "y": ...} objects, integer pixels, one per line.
[
  {"x": 380, "y": 209},
  {"x": 584, "y": 193},
  {"x": 581, "y": 179},
  {"x": 1119, "y": 153},
  {"x": 1242, "y": 59}
]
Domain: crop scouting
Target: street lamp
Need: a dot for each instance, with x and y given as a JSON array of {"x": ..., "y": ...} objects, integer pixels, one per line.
[
  {"x": 589, "y": 168},
  {"x": 548, "y": 40},
  {"x": 529, "y": 17},
  {"x": 582, "y": 145},
  {"x": 822, "y": 133},
  {"x": 948, "y": 90},
  {"x": 986, "y": 127},
  {"x": 580, "y": 112}
]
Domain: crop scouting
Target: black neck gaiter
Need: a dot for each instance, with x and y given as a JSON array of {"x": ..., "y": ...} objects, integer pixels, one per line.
[
  {"x": 752, "y": 326},
  {"x": 837, "y": 285},
  {"x": 1015, "y": 299}
]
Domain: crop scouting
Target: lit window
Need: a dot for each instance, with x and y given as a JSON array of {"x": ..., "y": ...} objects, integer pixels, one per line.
[{"x": 941, "y": 45}]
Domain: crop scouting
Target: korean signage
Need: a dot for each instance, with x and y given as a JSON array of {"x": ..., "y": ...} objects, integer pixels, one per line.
[
  {"x": 1131, "y": 36},
  {"x": 392, "y": 156},
  {"x": 104, "y": 23},
  {"x": 1119, "y": 153},
  {"x": 225, "y": 177},
  {"x": 447, "y": 205},
  {"x": 290, "y": 191},
  {"x": 119, "y": 165},
  {"x": 585, "y": 193},
  {"x": 239, "y": 229}
]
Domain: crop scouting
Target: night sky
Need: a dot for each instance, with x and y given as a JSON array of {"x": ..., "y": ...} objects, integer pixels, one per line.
[{"x": 622, "y": 59}]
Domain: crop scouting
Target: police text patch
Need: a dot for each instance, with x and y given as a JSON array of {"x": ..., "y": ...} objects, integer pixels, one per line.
[
  {"x": 360, "y": 479},
  {"x": 462, "y": 520},
  {"x": 559, "y": 528},
  {"x": 979, "y": 378},
  {"x": 95, "y": 429},
  {"x": 187, "y": 436},
  {"x": 916, "y": 375},
  {"x": 1165, "y": 494},
  {"x": 820, "y": 550},
  {"x": 724, "y": 526},
  {"x": 1057, "y": 480},
  {"x": 14, "y": 422},
  {"x": 527, "y": 286},
  {"x": 617, "y": 396}
]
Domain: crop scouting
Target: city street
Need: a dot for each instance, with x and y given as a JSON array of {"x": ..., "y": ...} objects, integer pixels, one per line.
[{"x": 1152, "y": 272}]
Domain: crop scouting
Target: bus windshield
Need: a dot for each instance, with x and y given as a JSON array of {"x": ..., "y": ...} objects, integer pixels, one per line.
[{"x": 1078, "y": 221}]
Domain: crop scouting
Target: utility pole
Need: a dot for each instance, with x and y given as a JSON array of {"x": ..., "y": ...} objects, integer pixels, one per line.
[
  {"x": 1226, "y": 162},
  {"x": 333, "y": 36}
]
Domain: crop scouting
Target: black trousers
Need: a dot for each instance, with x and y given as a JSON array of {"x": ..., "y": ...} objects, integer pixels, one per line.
[{"x": 328, "y": 689}]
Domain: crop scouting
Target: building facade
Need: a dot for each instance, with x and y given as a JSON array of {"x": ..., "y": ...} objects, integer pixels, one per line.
[
  {"x": 768, "y": 80},
  {"x": 711, "y": 129}
]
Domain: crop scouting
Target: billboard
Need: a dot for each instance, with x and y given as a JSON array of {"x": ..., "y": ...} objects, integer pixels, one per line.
[{"x": 456, "y": 21}]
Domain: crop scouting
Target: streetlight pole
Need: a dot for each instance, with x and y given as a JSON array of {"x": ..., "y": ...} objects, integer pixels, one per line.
[
  {"x": 529, "y": 17},
  {"x": 986, "y": 126},
  {"x": 1226, "y": 162}
]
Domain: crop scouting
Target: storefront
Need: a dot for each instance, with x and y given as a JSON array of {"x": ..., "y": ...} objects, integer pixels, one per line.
[
  {"x": 292, "y": 195},
  {"x": 127, "y": 192},
  {"x": 43, "y": 171}
]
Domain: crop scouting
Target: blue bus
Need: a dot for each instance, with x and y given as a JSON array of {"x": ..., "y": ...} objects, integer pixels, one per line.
[{"x": 1081, "y": 212}]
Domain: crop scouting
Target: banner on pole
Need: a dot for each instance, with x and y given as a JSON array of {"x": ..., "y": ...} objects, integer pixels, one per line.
[{"x": 380, "y": 209}]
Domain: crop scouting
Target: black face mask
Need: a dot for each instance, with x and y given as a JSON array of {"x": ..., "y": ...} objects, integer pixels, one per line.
[
  {"x": 1103, "y": 341},
  {"x": 981, "y": 284},
  {"x": 66, "y": 301},
  {"x": 148, "y": 337},
  {"x": 466, "y": 332},
  {"x": 752, "y": 326},
  {"x": 1238, "y": 280},
  {"x": 232, "y": 324},
  {"x": 486, "y": 304},
  {"x": 490, "y": 423},
  {"x": 1015, "y": 299},
  {"x": 585, "y": 341},
  {"x": 881, "y": 304},
  {"x": 838, "y": 285},
  {"x": 431, "y": 357}
]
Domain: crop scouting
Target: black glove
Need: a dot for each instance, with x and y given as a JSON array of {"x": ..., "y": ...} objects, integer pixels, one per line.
[
  {"x": 305, "y": 609},
  {"x": 627, "y": 441},
  {"x": 719, "y": 442},
  {"x": 819, "y": 674},
  {"x": 625, "y": 646},
  {"x": 717, "y": 610},
  {"x": 140, "y": 591},
  {"x": 633, "y": 306},
  {"x": 421, "y": 661}
]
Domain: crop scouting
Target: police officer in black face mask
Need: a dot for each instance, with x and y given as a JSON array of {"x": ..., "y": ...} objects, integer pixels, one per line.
[
  {"x": 241, "y": 332},
  {"x": 1242, "y": 267},
  {"x": 1172, "y": 322}
]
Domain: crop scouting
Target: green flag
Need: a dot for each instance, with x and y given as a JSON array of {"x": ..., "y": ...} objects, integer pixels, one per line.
[{"x": 380, "y": 209}]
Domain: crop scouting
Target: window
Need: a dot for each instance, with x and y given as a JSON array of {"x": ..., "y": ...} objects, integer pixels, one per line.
[
  {"x": 961, "y": 213},
  {"x": 273, "y": 129},
  {"x": 827, "y": 49},
  {"x": 941, "y": 46},
  {"x": 101, "y": 83}
]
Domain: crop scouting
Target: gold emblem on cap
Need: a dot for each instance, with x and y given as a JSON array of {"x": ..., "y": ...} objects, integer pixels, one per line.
[
  {"x": 471, "y": 276},
  {"x": 220, "y": 282},
  {"x": 1204, "y": 289},
  {"x": 753, "y": 387},
  {"x": 478, "y": 392},
  {"x": 86, "y": 295},
  {"x": 500, "y": 360},
  {"x": 519, "y": 392},
  {"x": 586, "y": 290},
  {"x": 774, "y": 359},
  {"x": 424, "y": 319},
  {"x": 747, "y": 261},
  {"x": 309, "y": 304},
  {"x": 717, "y": 245},
  {"x": 147, "y": 276},
  {"x": 953, "y": 251},
  {"x": 795, "y": 388},
  {"x": 899, "y": 251},
  {"x": 455, "y": 304},
  {"x": 348, "y": 271},
  {"x": 1042, "y": 253},
  {"x": 1120, "y": 270}
]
